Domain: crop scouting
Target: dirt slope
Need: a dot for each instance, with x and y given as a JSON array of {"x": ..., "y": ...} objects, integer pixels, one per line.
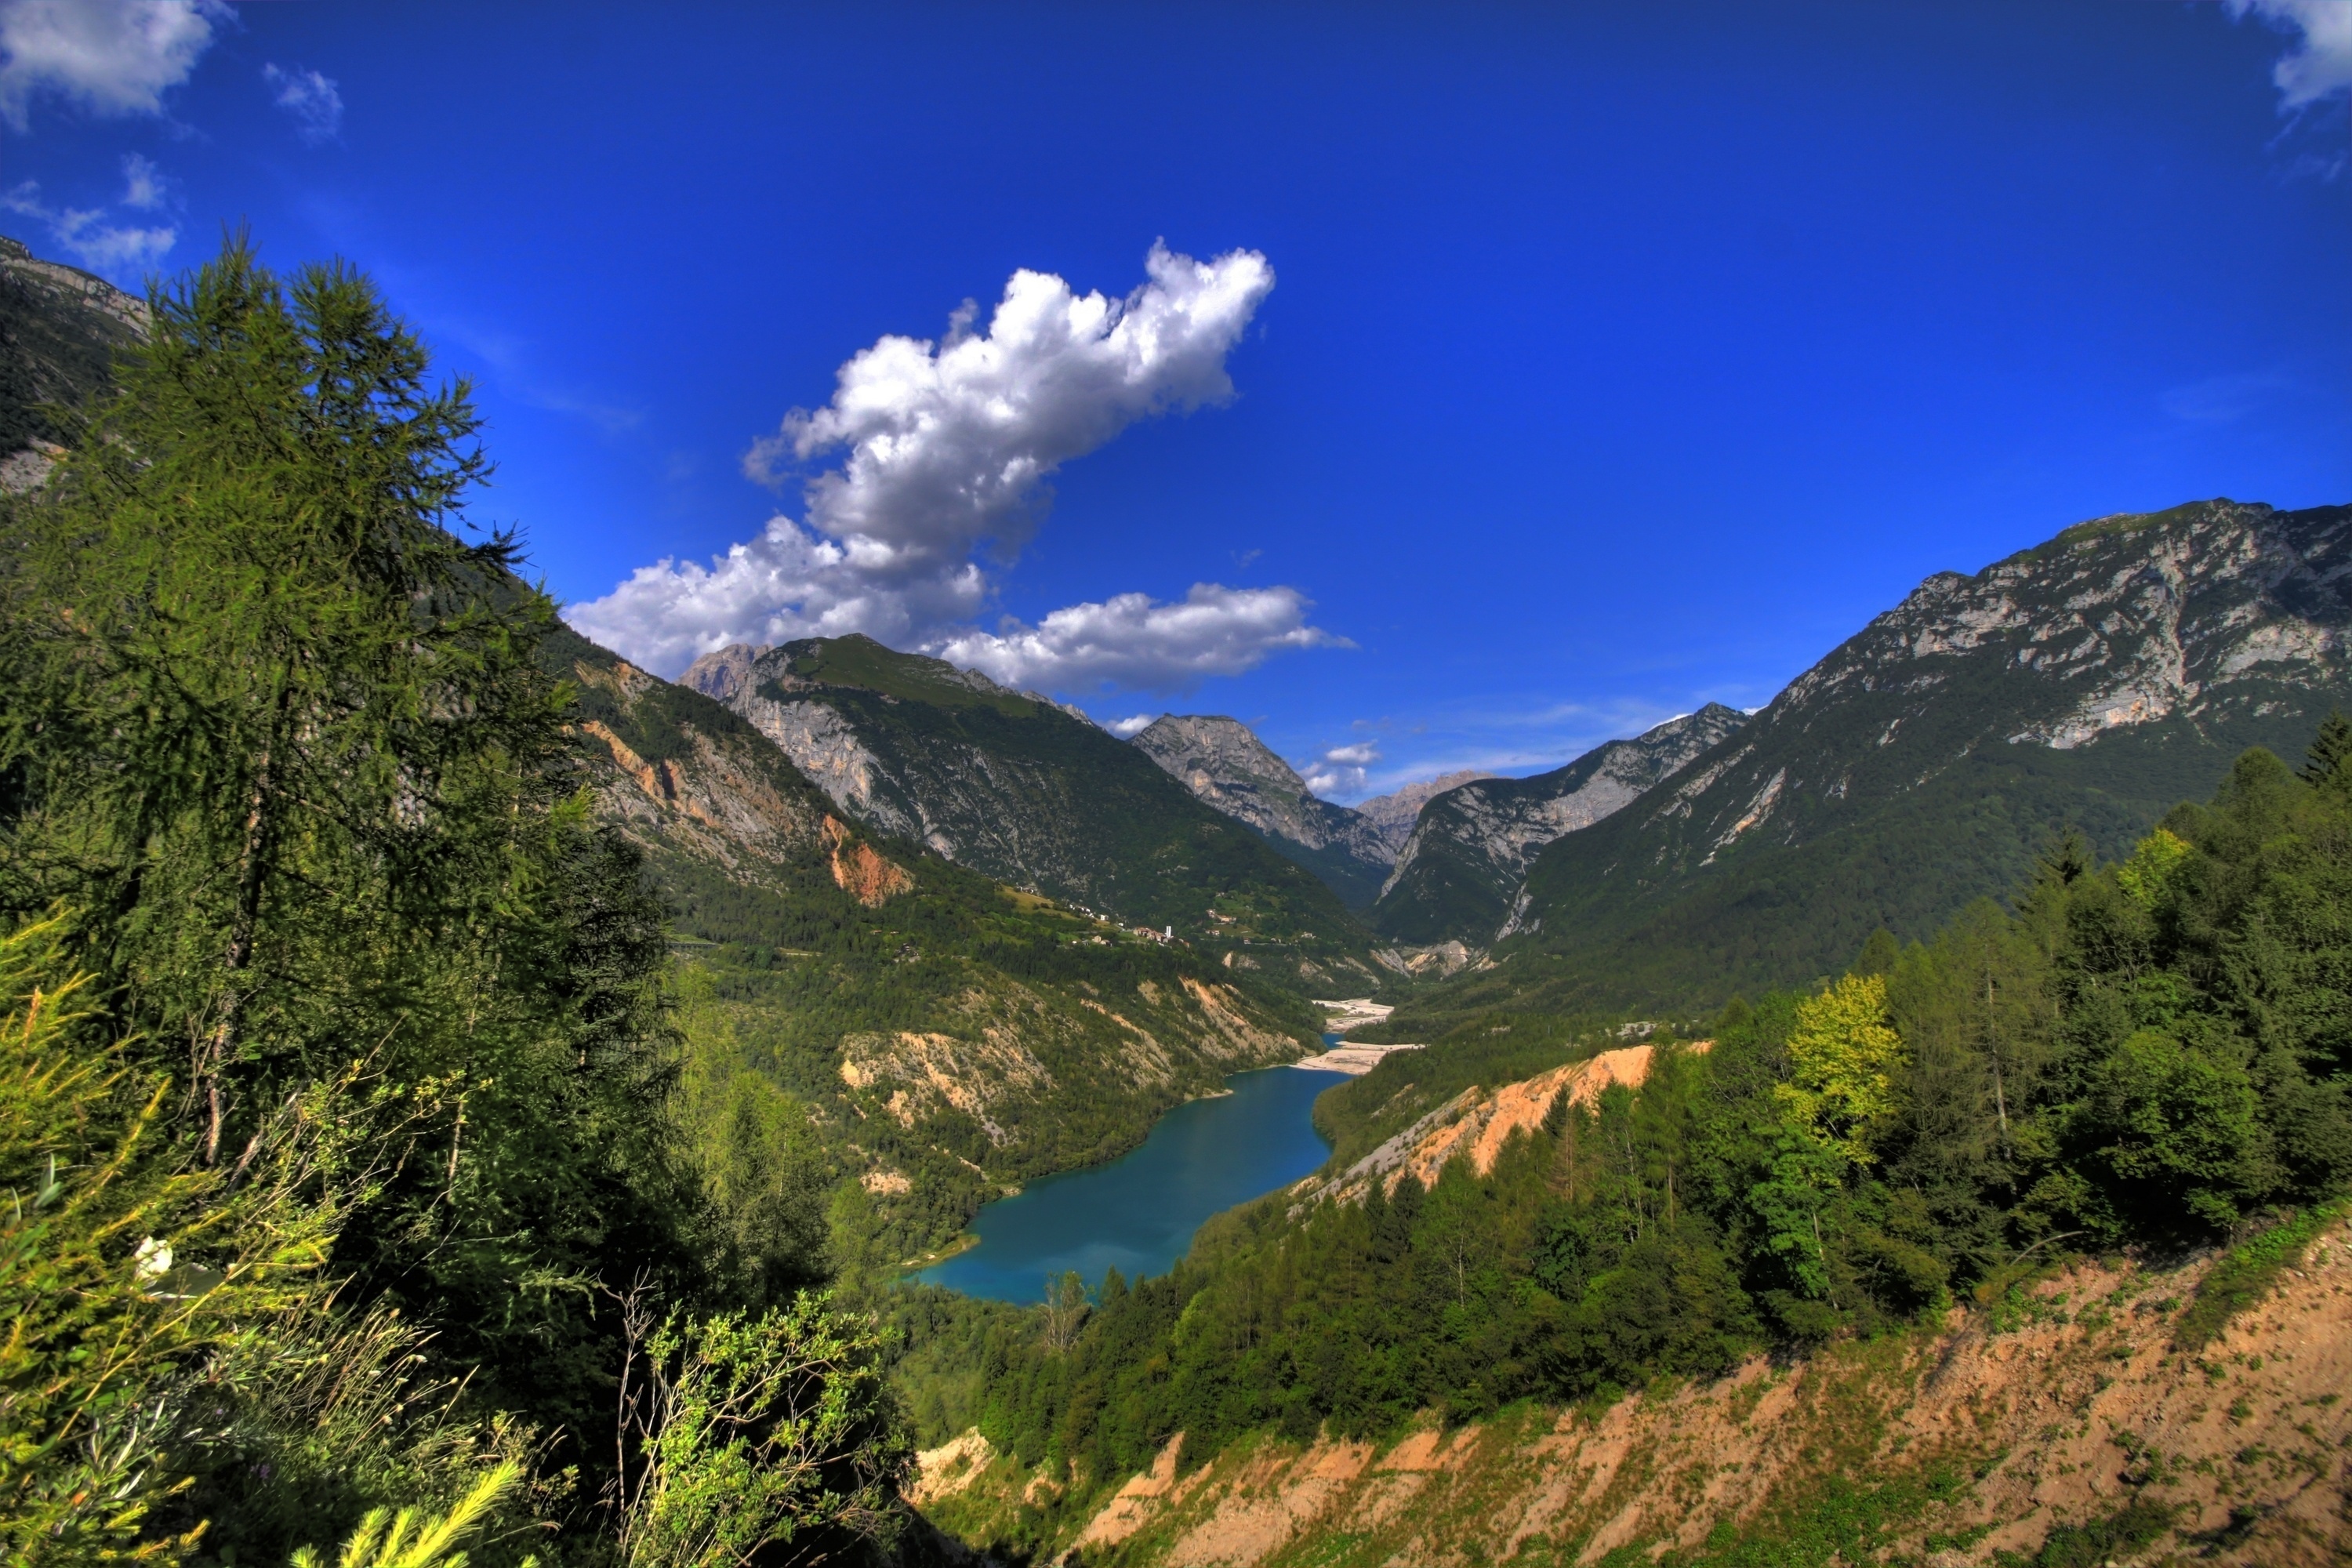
[
  {"x": 2059, "y": 1406},
  {"x": 1480, "y": 1120}
]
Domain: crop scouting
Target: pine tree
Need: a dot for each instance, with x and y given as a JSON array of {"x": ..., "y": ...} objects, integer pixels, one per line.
[
  {"x": 2330, "y": 749},
  {"x": 284, "y": 756},
  {"x": 274, "y": 720}
]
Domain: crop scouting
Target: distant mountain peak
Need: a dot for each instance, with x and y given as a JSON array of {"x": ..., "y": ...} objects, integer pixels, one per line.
[
  {"x": 1224, "y": 763},
  {"x": 1394, "y": 813},
  {"x": 1458, "y": 875}
]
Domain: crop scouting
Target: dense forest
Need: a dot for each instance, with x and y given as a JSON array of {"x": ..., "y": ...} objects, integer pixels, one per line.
[
  {"x": 2152, "y": 1054},
  {"x": 354, "y": 1205}
]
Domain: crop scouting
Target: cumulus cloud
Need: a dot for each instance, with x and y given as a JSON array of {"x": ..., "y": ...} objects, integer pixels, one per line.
[
  {"x": 1342, "y": 769},
  {"x": 2321, "y": 62},
  {"x": 950, "y": 444},
  {"x": 310, "y": 97},
  {"x": 1134, "y": 640},
  {"x": 788, "y": 583},
  {"x": 120, "y": 250},
  {"x": 943, "y": 451},
  {"x": 1129, "y": 728},
  {"x": 111, "y": 57}
]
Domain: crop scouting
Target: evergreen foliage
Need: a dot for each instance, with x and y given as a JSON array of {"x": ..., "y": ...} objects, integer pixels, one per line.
[
  {"x": 2150, "y": 1054},
  {"x": 336, "y": 1211}
]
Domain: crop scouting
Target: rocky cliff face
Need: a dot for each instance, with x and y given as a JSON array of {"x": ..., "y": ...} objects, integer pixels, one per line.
[
  {"x": 1395, "y": 813},
  {"x": 1222, "y": 762},
  {"x": 1013, "y": 785},
  {"x": 1460, "y": 869},
  {"x": 60, "y": 329},
  {"x": 871, "y": 972},
  {"x": 2089, "y": 683}
]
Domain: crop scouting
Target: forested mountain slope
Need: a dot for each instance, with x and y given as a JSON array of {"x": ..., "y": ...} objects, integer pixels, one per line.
[
  {"x": 1013, "y": 787},
  {"x": 903, "y": 1022},
  {"x": 1223, "y": 761},
  {"x": 2058, "y": 1426},
  {"x": 340, "y": 1087},
  {"x": 2086, "y": 683},
  {"x": 2109, "y": 1126},
  {"x": 1460, "y": 871}
]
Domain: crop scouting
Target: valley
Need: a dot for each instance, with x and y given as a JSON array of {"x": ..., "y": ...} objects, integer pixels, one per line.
[{"x": 1910, "y": 1121}]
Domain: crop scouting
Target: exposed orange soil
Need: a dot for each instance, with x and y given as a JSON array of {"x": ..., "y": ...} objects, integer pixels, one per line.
[
  {"x": 2057, "y": 1408},
  {"x": 1481, "y": 1121},
  {"x": 859, "y": 869}
]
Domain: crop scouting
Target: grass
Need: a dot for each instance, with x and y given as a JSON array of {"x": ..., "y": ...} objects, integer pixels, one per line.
[
  {"x": 2247, "y": 1274},
  {"x": 2136, "y": 1524}
]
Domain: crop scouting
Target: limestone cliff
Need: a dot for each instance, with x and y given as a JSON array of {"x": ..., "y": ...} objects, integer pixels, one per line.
[
  {"x": 1470, "y": 849},
  {"x": 2090, "y": 684},
  {"x": 1224, "y": 763}
]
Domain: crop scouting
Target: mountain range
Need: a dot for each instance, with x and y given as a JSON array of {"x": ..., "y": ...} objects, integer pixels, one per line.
[
  {"x": 1013, "y": 786},
  {"x": 2084, "y": 684},
  {"x": 947, "y": 1036},
  {"x": 1469, "y": 850}
]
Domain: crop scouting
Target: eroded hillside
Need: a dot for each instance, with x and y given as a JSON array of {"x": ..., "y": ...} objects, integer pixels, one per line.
[
  {"x": 937, "y": 1038},
  {"x": 2062, "y": 1412}
]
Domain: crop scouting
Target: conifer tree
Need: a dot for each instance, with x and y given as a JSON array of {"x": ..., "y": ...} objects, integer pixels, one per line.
[{"x": 283, "y": 756}]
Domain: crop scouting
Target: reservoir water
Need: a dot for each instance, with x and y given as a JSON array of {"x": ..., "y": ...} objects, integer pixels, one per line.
[{"x": 1138, "y": 1214}]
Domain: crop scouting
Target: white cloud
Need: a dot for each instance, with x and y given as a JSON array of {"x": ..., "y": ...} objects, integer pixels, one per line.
[
  {"x": 951, "y": 443},
  {"x": 121, "y": 250},
  {"x": 2321, "y": 62},
  {"x": 1129, "y": 728},
  {"x": 113, "y": 56},
  {"x": 1136, "y": 641},
  {"x": 310, "y": 97},
  {"x": 947, "y": 449},
  {"x": 143, "y": 183},
  {"x": 1342, "y": 769},
  {"x": 1330, "y": 781},
  {"x": 788, "y": 583}
]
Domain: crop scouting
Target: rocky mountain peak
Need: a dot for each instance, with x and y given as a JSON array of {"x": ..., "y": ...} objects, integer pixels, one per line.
[
  {"x": 1221, "y": 760},
  {"x": 722, "y": 672},
  {"x": 1394, "y": 813},
  {"x": 1458, "y": 875},
  {"x": 1224, "y": 763}
]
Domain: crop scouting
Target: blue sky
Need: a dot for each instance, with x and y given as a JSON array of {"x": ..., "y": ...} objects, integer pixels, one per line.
[{"x": 1511, "y": 377}]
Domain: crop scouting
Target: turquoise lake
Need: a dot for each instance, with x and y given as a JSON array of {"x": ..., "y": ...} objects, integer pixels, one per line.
[{"x": 1138, "y": 1214}]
